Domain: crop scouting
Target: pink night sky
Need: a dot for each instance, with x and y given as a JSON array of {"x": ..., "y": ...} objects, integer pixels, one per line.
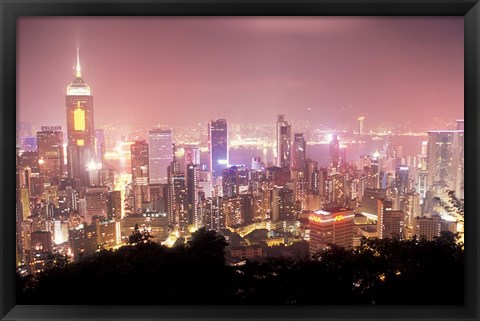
[{"x": 184, "y": 70}]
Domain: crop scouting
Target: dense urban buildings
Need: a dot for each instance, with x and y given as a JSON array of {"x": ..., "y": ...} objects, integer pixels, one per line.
[{"x": 283, "y": 183}]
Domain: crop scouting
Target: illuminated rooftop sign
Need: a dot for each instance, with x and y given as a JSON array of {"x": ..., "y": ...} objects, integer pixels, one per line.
[{"x": 51, "y": 128}]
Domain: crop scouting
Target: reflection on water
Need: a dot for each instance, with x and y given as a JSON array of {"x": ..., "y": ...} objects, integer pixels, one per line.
[{"x": 411, "y": 146}]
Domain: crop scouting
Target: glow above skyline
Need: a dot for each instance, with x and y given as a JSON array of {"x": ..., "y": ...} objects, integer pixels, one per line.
[{"x": 184, "y": 70}]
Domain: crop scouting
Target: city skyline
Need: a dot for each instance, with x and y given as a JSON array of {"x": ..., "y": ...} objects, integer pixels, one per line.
[
  {"x": 245, "y": 66},
  {"x": 244, "y": 183}
]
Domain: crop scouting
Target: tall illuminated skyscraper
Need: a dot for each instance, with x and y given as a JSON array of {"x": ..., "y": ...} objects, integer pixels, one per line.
[
  {"x": 299, "y": 151},
  {"x": 192, "y": 155},
  {"x": 402, "y": 179},
  {"x": 191, "y": 179},
  {"x": 445, "y": 161},
  {"x": 50, "y": 153},
  {"x": 160, "y": 155},
  {"x": 140, "y": 173},
  {"x": 80, "y": 127},
  {"x": 218, "y": 146},
  {"x": 283, "y": 142},
  {"x": 334, "y": 152}
]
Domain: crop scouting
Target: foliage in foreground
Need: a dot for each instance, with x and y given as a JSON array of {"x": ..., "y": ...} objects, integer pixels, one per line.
[{"x": 378, "y": 272}]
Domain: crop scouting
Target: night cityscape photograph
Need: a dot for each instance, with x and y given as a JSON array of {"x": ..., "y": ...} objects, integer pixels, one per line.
[{"x": 240, "y": 160}]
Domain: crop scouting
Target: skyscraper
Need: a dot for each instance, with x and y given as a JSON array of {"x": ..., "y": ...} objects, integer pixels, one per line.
[
  {"x": 218, "y": 146},
  {"x": 192, "y": 155},
  {"x": 140, "y": 169},
  {"x": 160, "y": 154},
  {"x": 50, "y": 153},
  {"x": 139, "y": 157},
  {"x": 334, "y": 226},
  {"x": 80, "y": 127},
  {"x": 334, "y": 152},
  {"x": 299, "y": 151},
  {"x": 283, "y": 142},
  {"x": 191, "y": 179},
  {"x": 401, "y": 179},
  {"x": 445, "y": 161}
]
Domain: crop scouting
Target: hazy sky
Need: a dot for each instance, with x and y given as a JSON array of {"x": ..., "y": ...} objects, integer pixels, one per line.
[{"x": 146, "y": 71}]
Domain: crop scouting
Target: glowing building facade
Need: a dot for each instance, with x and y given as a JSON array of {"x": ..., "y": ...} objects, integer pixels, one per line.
[
  {"x": 218, "y": 146},
  {"x": 80, "y": 127},
  {"x": 160, "y": 155},
  {"x": 284, "y": 138},
  {"x": 334, "y": 226}
]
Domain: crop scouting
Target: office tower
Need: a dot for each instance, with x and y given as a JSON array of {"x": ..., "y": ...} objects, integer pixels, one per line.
[
  {"x": 282, "y": 204},
  {"x": 96, "y": 203},
  {"x": 248, "y": 210},
  {"x": 283, "y": 142},
  {"x": 445, "y": 162},
  {"x": 334, "y": 152},
  {"x": 214, "y": 218},
  {"x": 115, "y": 205},
  {"x": 402, "y": 180},
  {"x": 178, "y": 210},
  {"x": 191, "y": 154},
  {"x": 80, "y": 127},
  {"x": 218, "y": 146},
  {"x": 140, "y": 171},
  {"x": 299, "y": 152},
  {"x": 139, "y": 158},
  {"x": 191, "y": 179},
  {"x": 312, "y": 176},
  {"x": 234, "y": 180},
  {"x": 50, "y": 153},
  {"x": 334, "y": 226},
  {"x": 430, "y": 227},
  {"x": 160, "y": 155},
  {"x": 205, "y": 182},
  {"x": 370, "y": 198},
  {"x": 390, "y": 222},
  {"x": 360, "y": 126}
]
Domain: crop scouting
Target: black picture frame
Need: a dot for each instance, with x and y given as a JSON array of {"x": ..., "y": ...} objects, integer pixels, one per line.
[{"x": 10, "y": 10}]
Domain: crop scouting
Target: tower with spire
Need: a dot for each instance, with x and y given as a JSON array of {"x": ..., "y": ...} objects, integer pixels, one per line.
[{"x": 80, "y": 127}]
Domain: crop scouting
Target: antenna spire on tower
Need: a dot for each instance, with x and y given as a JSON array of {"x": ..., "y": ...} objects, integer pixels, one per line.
[{"x": 78, "y": 72}]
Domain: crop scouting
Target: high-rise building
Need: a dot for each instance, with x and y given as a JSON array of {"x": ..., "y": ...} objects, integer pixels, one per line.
[
  {"x": 234, "y": 180},
  {"x": 390, "y": 222},
  {"x": 80, "y": 127},
  {"x": 191, "y": 179},
  {"x": 299, "y": 152},
  {"x": 282, "y": 204},
  {"x": 139, "y": 158},
  {"x": 214, "y": 218},
  {"x": 96, "y": 202},
  {"x": 360, "y": 126},
  {"x": 50, "y": 153},
  {"x": 334, "y": 226},
  {"x": 192, "y": 155},
  {"x": 283, "y": 142},
  {"x": 218, "y": 146},
  {"x": 160, "y": 155},
  {"x": 445, "y": 161},
  {"x": 402, "y": 180},
  {"x": 140, "y": 169},
  {"x": 334, "y": 152},
  {"x": 115, "y": 206}
]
